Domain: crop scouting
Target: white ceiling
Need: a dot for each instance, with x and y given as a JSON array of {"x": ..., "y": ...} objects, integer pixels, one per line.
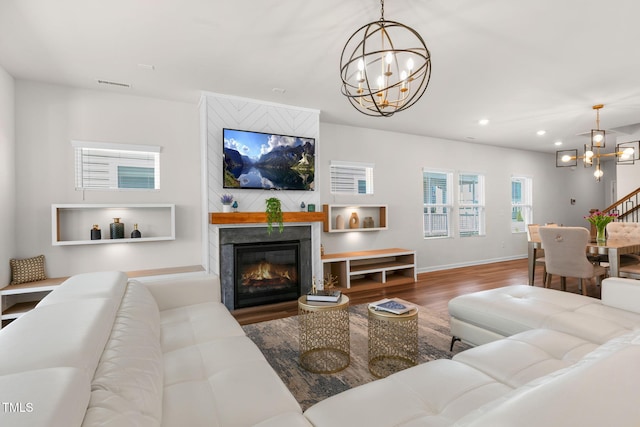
[{"x": 525, "y": 65}]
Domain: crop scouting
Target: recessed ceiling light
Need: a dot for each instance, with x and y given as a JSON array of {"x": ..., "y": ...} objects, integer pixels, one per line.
[
  {"x": 541, "y": 132},
  {"x": 558, "y": 143},
  {"x": 147, "y": 66},
  {"x": 112, "y": 83},
  {"x": 483, "y": 122},
  {"x": 279, "y": 90}
]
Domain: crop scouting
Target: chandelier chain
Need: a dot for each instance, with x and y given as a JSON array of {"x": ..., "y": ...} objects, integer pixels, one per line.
[{"x": 381, "y": 10}]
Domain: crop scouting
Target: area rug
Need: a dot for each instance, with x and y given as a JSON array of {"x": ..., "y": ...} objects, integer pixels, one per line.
[{"x": 278, "y": 341}]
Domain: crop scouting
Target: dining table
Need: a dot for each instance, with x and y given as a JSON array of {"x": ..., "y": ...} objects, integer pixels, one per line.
[{"x": 612, "y": 248}]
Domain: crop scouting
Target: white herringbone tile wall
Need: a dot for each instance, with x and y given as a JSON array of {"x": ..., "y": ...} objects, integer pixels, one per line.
[{"x": 223, "y": 111}]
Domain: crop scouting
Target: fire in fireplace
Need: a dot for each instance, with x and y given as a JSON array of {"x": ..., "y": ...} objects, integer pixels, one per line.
[{"x": 266, "y": 273}]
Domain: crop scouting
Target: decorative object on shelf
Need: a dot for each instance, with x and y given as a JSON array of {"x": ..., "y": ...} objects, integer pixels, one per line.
[
  {"x": 96, "y": 233},
  {"x": 381, "y": 75},
  {"x": 302, "y": 207},
  {"x": 339, "y": 222},
  {"x": 135, "y": 234},
  {"x": 368, "y": 222},
  {"x": 330, "y": 281},
  {"x": 311, "y": 207},
  {"x": 116, "y": 229},
  {"x": 235, "y": 206},
  {"x": 226, "y": 200},
  {"x": 321, "y": 249},
  {"x": 600, "y": 220},
  {"x": 274, "y": 214},
  {"x": 354, "y": 220},
  {"x": 626, "y": 153}
]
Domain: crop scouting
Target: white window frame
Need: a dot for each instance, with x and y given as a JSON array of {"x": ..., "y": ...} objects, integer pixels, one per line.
[
  {"x": 525, "y": 205},
  {"x": 351, "y": 177},
  {"x": 443, "y": 207},
  {"x": 475, "y": 206},
  {"x": 104, "y": 176}
]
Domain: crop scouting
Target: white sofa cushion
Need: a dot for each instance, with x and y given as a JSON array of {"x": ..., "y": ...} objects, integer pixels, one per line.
[
  {"x": 436, "y": 393},
  {"x": 600, "y": 390},
  {"x": 128, "y": 384},
  {"x": 108, "y": 284},
  {"x": 53, "y": 397},
  {"x": 621, "y": 293},
  {"x": 523, "y": 357}
]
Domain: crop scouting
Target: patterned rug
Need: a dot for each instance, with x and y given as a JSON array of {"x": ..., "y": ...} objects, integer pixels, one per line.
[{"x": 278, "y": 341}]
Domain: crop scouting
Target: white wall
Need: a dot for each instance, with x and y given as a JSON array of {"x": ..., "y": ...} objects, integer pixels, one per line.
[
  {"x": 399, "y": 160},
  {"x": 7, "y": 174},
  {"x": 48, "y": 117}
]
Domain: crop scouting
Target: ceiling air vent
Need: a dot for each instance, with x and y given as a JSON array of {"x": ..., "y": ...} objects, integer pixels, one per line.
[{"x": 110, "y": 83}]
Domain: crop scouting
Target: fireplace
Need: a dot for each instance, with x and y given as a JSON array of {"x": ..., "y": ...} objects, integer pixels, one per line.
[
  {"x": 258, "y": 269},
  {"x": 266, "y": 273}
]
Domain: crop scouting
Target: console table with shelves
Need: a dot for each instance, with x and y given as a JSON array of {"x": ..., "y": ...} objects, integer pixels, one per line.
[
  {"x": 71, "y": 223},
  {"x": 378, "y": 213},
  {"x": 371, "y": 269}
]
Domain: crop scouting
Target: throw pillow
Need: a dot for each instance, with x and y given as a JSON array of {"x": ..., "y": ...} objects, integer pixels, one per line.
[{"x": 27, "y": 270}]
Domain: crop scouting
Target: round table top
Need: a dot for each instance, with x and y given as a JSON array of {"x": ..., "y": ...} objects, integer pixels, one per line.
[{"x": 387, "y": 315}]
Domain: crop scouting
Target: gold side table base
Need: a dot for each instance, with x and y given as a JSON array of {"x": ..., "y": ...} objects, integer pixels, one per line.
[
  {"x": 393, "y": 342},
  {"x": 324, "y": 335}
]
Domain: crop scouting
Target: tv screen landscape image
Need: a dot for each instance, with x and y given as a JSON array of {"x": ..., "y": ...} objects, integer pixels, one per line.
[{"x": 267, "y": 161}]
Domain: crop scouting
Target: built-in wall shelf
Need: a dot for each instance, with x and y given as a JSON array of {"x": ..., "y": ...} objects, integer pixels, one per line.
[
  {"x": 71, "y": 223},
  {"x": 261, "y": 217},
  {"x": 377, "y": 214},
  {"x": 372, "y": 269}
]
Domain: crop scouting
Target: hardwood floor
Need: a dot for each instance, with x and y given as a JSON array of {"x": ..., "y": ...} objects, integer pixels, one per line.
[{"x": 433, "y": 290}]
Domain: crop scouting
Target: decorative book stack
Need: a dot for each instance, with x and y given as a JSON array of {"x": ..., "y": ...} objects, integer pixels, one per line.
[
  {"x": 324, "y": 296},
  {"x": 391, "y": 306}
]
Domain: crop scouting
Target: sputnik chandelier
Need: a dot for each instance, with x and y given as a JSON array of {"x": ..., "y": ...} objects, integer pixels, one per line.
[
  {"x": 626, "y": 153},
  {"x": 385, "y": 67}
]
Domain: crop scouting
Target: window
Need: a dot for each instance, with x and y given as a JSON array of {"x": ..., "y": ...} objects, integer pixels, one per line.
[
  {"x": 521, "y": 203},
  {"x": 471, "y": 221},
  {"x": 109, "y": 166},
  {"x": 437, "y": 203},
  {"x": 351, "y": 177}
]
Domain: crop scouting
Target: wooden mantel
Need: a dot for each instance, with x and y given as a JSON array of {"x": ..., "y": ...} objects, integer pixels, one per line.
[{"x": 261, "y": 217}]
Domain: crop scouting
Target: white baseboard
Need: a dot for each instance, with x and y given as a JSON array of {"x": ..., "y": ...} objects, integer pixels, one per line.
[{"x": 468, "y": 264}]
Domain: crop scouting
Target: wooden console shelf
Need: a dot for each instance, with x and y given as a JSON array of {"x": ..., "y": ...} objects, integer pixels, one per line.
[
  {"x": 261, "y": 217},
  {"x": 371, "y": 269}
]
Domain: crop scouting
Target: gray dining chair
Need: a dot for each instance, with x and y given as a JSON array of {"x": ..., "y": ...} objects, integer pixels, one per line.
[{"x": 565, "y": 254}]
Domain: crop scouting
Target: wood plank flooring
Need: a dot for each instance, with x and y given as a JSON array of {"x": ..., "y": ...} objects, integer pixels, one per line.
[{"x": 433, "y": 290}]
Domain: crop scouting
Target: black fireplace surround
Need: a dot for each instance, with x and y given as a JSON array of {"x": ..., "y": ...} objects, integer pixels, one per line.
[{"x": 288, "y": 277}]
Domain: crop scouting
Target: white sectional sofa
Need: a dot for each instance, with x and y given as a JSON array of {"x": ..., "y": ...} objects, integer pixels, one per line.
[
  {"x": 101, "y": 350},
  {"x": 104, "y": 351}
]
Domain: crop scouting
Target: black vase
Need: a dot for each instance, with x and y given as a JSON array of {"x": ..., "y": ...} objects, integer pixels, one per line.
[
  {"x": 135, "y": 234},
  {"x": 116, "y": 229},
  {"x": 96, "y": 234}
]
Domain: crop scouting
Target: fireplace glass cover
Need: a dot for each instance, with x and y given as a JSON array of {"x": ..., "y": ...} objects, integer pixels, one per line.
[{"x": 266, "y": 273}]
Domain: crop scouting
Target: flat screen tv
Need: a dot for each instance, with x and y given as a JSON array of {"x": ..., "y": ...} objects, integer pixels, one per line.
[{"x": 267, "y": 161}]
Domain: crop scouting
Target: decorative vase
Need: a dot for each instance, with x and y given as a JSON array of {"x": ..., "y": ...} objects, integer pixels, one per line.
[
  {"x": 226, "y": 208},
  {"x": 135, "y": 234},
  {"x": 600, "y": 234},
  {"x": 339, "y": 222},
  {"x": 116, "y": 229},
  {"x": 96, "y": 234},
  {"x": 368, "y": 222},
  {"x": 354, "y": 220}
]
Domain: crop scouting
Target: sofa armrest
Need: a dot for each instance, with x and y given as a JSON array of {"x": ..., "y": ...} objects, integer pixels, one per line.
[
  {"x": 621, "y": 293},
  {"x": 180, "y": 292}
]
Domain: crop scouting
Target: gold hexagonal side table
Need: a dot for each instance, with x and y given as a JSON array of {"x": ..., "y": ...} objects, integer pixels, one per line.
[
  {"x": 324, "y": 335},
  {"x": 393, "y": 341}
]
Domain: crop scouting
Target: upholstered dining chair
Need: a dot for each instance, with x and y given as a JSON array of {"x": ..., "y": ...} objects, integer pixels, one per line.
[
  {"x": 533, "y": 235},
  {"x": 566, "y": 256}
]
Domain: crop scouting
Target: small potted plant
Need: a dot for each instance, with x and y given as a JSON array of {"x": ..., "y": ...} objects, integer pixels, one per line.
[
  {"x": 274, "y": 214},
  {"x": 226, "y": 200}
]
